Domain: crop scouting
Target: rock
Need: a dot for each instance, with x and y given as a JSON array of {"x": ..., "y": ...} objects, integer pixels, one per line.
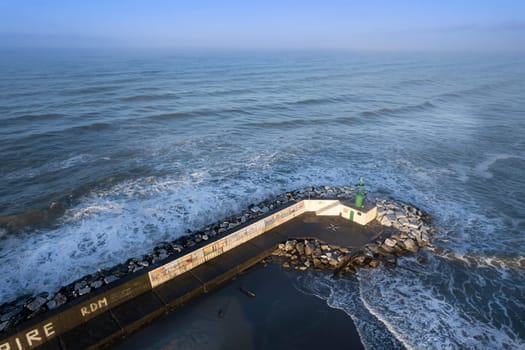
[
  {"x": 79, "y": 285},
  {"x": 403, "y": 221},
  {"x": 373, "y": 248},
  {"x": 308, "y": 248},
  {"x": 390, "y": 242},
  {"x": 358, "y": 260},
  {"x": 333, "y": 262},
  {"x": 3, "y": 325},
  {"x": 96, "y": 284},
  {"x": 324, "y": 247},
  {"x": 265, "y": 209},
  {"x": 138, "y": 268},
  {"x": 51, "y": 304},
  {"x": 109, "y": 279},
  {"x": 143, "y": 263},
  {"x": 385, "y": 221},
  {"x": 10, "y": 314},
  {"x": 373, "y": 263},
  {"x": 255, "y": 209},
  {"x": 387, "y": 249},
  {"x": 286, "y": 265},
  {"x": 36, "y": 304},
  {"x": 303, "y": 268},
  {"x": 317, "y": 251},
  {"x": 59, "y": 299},
  {"x": 413, "y": 224},
  {"x": 300, "y": 248},
  {"x": 290, "y": 245},
  {"x": 281, "y": 246},
  {"x": 84, "y": 291},
  {"x": 317, "y": 262},
  {"x": 410, "y": 245},
  {"x": 205, "y": 237}
]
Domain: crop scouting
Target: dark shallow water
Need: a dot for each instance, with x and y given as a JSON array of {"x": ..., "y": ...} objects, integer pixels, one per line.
[{"x": 105, "y": 154}]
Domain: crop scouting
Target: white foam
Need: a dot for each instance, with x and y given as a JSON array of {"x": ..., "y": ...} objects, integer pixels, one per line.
[
  {"x": 129, "y": 219},
  {"x": 423, "y": 318}
]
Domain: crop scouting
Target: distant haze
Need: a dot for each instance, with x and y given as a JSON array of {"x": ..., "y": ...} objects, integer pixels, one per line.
[{"x": 370, "y": 25}]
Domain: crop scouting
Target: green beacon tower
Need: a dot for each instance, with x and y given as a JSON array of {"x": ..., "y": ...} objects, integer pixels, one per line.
[{"x": 360, "y": 196}]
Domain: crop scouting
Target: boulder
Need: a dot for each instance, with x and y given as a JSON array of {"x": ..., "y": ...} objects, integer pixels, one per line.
[
  {"x": 286, "y": 265},
  {"x": 390, "y": 242},
  {"x": 309, "y": 248},
  {"x": 109, "y": 279},
  {"x": 410, "y": 245},
  {"x": 317, "y": 251},
  {"x": 373, "y": 263},
  {"x": 10, "y": 314},
  {"x": 333, "y": 262},
  {"x": 358, "y": 260},
  {"x": 373, "y": 248},
  {"x": 84, "y": 290},
  {"x": 300, "y": 248},
  {"x": 36, "y": 304},
  {"x": 386, "y": 249},
  {"x": 385, "y": 221},
  {"x": 96, "y": 284},
  {"x": 290, "y": 245}
]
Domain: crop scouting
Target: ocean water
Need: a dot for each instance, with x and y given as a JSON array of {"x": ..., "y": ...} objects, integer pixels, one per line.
[{"x": 103, "y": 154}]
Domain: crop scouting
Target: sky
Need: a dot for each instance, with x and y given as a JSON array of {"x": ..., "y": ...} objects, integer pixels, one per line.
[{"x": 447, "y": 25}]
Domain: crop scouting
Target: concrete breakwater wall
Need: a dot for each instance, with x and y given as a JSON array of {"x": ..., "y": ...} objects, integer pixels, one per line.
[{"x": 31, "y": 322}]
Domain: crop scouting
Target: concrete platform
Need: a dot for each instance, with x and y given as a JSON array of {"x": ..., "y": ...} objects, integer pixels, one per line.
[{"x": 134, "y": 304}]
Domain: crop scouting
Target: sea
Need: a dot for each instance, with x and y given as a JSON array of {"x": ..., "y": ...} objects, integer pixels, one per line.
[{"x": 105, "y": 153}]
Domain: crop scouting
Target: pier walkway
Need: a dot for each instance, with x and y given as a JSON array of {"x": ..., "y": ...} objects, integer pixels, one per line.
[
  {"x": 133, "y": 314},
  {"x": 114, "y": 311}
]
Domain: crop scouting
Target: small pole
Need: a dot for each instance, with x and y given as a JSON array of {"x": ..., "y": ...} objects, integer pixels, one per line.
[{"x": 360, "y": 193}]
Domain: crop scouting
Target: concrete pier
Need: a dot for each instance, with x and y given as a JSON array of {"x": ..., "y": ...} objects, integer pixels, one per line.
[{"x": 118, "y": 309}]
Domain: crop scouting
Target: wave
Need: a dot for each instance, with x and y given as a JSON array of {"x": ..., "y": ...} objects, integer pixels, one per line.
[
  {"x": 422, "y": 107},
  {"x": 481, "y": 90},
  {"x": 32, "y": 219},
  {"x": 419, "y": 314},
  {"x": 174, "y": 116},
  {"x": 228, "y": 92},
  {"x": 483, "y": 168},
  {"x": 91, "y": 90},
  {"x": 285, "y": 124},
  {"x": 415, "y": 82},
  {"x": 195, "y": 113},
  {"x": 146, "y": 98},
  {"x": 319, "y": 101},
  {"x": 33, "y": 118}
]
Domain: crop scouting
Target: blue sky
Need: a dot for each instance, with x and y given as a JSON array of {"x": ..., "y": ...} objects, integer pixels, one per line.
[{"x": 372, "y": 25}]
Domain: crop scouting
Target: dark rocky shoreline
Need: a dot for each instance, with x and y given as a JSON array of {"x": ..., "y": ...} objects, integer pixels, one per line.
[{"x": 410, "y": 230}]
